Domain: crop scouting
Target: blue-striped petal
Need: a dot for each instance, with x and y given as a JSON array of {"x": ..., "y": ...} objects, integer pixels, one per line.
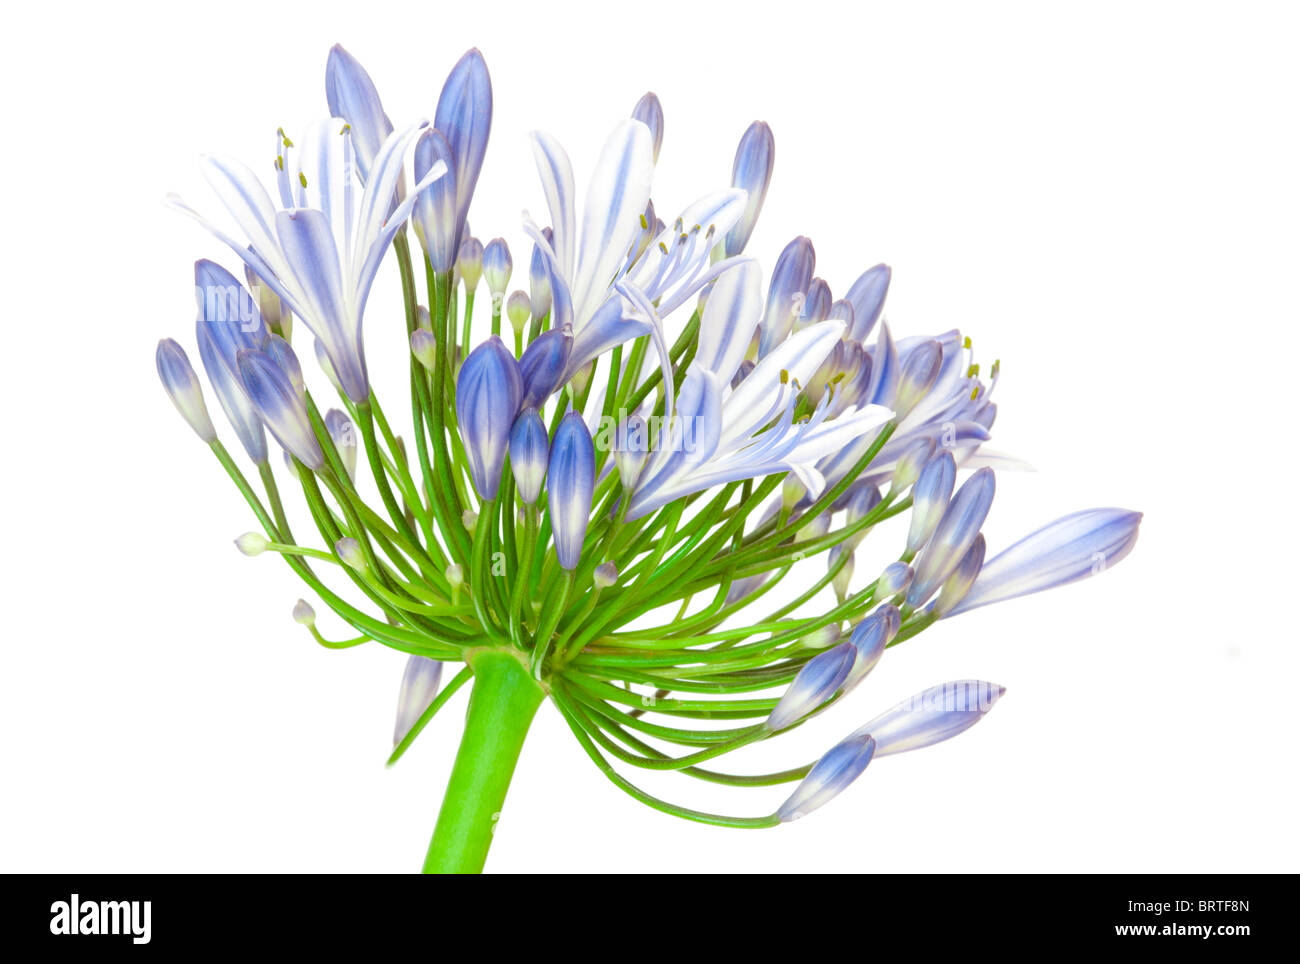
[
  {"x": 280, "y": 406},
  {"x": 937, "y": 714},
  {"x": 813, "y": 685},
  {"x": 572, "y": 479},
  {"x": 556, "y": 173},
  {"x": 1074, "y": 547},
  {"x": 729, "y": 319}
]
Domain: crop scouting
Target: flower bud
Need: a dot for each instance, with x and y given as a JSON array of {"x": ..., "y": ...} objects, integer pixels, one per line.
[
  {"x": 956, "y": 586},
  {"x": 469, "y": 262},
  {"x": 650, "y": 113},
  {"x": 252, "y": 543},
  {"x": 813, "y": 685},
  {"x": 543, "y": 363},
  {"x": 605, "y": 575},
  {"x": 867, "y": 296},
  {"x": 488, "y": 391},
  {"x": 751, "y": 172},
  {"x": 518, "y": 309},
  {"x": 529, "y": 454},
  {"x": 434, "y": 216},
  {"x": 284, "y": 356},
  {"x": 280, "y": 406},
  {"x": 570, "y": 486},
  {"x": 183, "y": 388},
  {"x": 539, "y": 280},
  {"x": 464, "y": 115},
  {"x": 632, "y": 445},
  {"x": 869, "y": 638},
  {"x": 424, "y": 347},
  {"x": 930, "y": 497},
  {"x": 469, "y": 519},
  {"x": 420, "y": 681},
  {"x": 895, "y": 578},
  {"x": 497, "y": 266},
  {"x": 838, "y": 767},
  {"x": 303, "y": 614},
  {"x": 272, "y": 309},
  {"x": 917, "y": 375},
  {"x": 841, "y": 581},
  {"x": 954, "y": 535},
  {"x": 786, "y": 293},
  {"x": 932, "y": 716},
  {"x": 351, "y": 95},
  {"x": 908, "y": 468},
  {"x": 349, "y": 551}
]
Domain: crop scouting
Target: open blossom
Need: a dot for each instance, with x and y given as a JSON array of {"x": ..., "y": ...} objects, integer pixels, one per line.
[{"x": 588, "y": 509}]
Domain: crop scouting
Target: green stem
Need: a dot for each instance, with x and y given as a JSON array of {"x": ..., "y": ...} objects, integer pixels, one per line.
[{"x": 501, "y": 707}]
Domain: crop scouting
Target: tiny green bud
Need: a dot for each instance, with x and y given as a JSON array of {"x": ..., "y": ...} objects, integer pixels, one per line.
[
  {"x": 455, "y": 575},
  {"x": 349, "y": 550},
  {"x": 303, "y": 613},
  {"x": 252, "y": 543},
  {"x": 518, "y": 309},
  {"x": 424, "y": 348},
  {"x": 469, "y": 519}
]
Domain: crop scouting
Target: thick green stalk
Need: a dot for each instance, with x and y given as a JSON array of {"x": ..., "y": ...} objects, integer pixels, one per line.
[{"x": 501, "y": 708}]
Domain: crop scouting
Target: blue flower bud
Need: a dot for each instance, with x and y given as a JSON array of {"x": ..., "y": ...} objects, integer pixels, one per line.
[
  {"x": 867, "y": 296},
  {"x": 469, "y": 262},
  {"x": 751, "y": 172},
  {"x": 813, "y": 685},
  {"x": 1071, "y": 548},
  {"x": 280, "y": 405},
  {"x": 932, "y": 716},
  {"x": 650, "y": 113},
  {"x": 283, "y": 355},
  {"x": 605, "y": 575},
  {"x": 539, "y": 280},
  {"x": 488, "y": 392},
  {"x": 956, "y": 586},
  {"x": 930, "y": 497},
  {"x": 529, "y": 454},
  {"x": 228, "y": 322},
  {"x": 839, "y": 766},
  {"x": 869, "y": 639},
  {"x": 351, "y": 95},
  {"x": 895, "y": 578},
  {"x": 183, "y": 388},
  {"x": 570, "y": 486},
  {"x": 908, "y": 468},
  {"x": 816, "y": 303},
  {"x": 420, "y": 681},
  {"x": 434, "y": 215},
  {"x": 954, "y": 535},
  {"x": 464, "y": 116},
  {"x": 786, "y": 292},
  {"x": 917, "y": 375},
  {"x": 543, "y": 364},
  {"x": 631, "y": 446},
  {"x": 497, "y": 266}
]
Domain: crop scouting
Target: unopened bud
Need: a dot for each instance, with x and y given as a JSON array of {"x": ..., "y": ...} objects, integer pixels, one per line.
[
  {"x": 252, "y": 543},
  {"x": 303, "y": 613}
]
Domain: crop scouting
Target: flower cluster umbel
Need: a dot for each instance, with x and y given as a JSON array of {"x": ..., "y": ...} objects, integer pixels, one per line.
[{"x": 653, "y": 446}]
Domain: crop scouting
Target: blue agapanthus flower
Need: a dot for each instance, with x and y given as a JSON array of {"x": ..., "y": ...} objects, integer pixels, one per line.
[{"x": 586, "y": 507}]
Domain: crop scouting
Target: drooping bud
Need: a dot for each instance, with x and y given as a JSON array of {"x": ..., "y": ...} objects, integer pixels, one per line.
[
  {"x": 488, "y": 391},
  {"x": 252, "y": 543},
  {"x": 569, "y": 488},
  {"x": 751, "y": 171},
  {"x": 813, "y": 685},
  {"x": 303, "y": 614},
  {"x": 838, "y": 767},
  {"x": 529, "y": 454},
  {"x": 932, "y": 716},
  {"x": 869, "y": 638},
  {"x": 420, "y": 681},
  {"x": 1071, "y": 548},
  {"x": 183, "y": 388},
  {"x": 497, "y": 266}
]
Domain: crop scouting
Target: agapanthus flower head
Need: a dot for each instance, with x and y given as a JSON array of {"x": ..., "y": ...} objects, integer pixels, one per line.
[{"x": 685, "y": 431}]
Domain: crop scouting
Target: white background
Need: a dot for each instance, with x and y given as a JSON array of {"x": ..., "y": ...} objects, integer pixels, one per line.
[{"x": 1102, "y": 195}]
